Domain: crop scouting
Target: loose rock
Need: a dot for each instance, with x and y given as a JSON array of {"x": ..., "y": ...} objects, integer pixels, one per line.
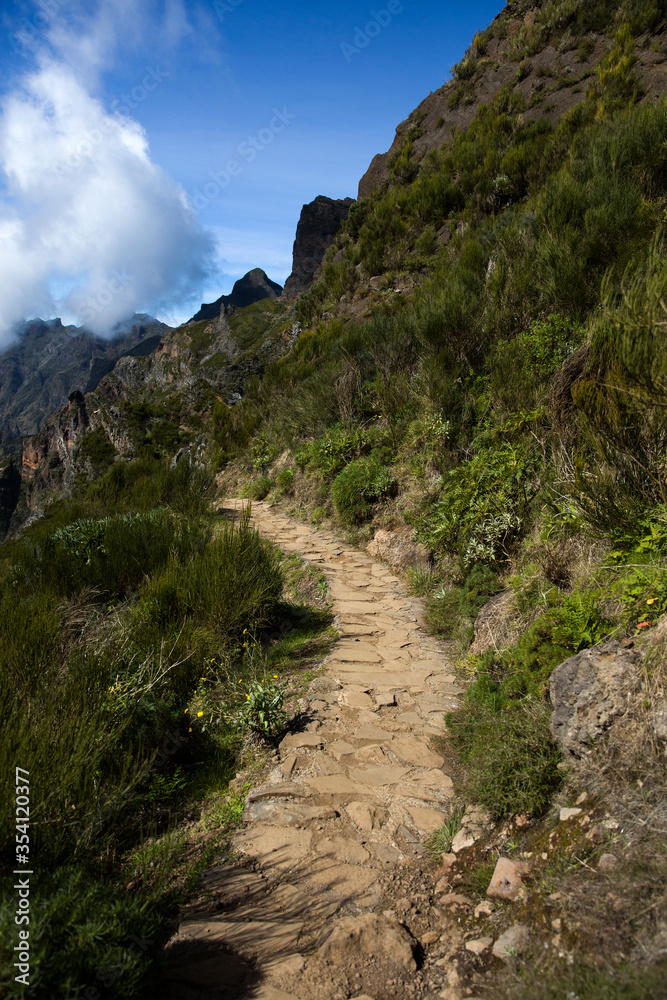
[
  {"x": 513, "y": 942},
  {"x": 506, "y": 881}
]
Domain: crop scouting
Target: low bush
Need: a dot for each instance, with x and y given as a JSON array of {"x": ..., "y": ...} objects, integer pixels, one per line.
[
  {"x": 84, "y": 938},
  {"x": 511, "y": 759},
  {"x": 285, "y": 480},
  {"x": 357, "y": 487}
]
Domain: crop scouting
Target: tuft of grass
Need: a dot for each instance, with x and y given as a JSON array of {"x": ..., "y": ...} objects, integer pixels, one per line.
[
  {"x": 584, "y": 981},
  {"x": 440, "y": 841}
]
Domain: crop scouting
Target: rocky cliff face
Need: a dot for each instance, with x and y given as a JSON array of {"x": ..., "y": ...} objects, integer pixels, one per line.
[
  {"x": 252, "y": 287},
  {"x": 319, "y": 223},
  {"x": 164, "y": 398},
  {"x": 49, "y": 361}
]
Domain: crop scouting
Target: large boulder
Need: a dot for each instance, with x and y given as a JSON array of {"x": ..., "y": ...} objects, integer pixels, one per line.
[
  {"x": 367, "y": 935},
  {"x": 399, "y": 549},
  {"x": 592, "y": 689}
]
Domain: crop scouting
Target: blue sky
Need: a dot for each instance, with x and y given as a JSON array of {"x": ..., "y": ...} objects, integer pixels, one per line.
[{"x": 275, "y": 89}]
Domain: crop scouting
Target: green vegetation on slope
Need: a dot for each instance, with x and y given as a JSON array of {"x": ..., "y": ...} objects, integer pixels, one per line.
[{"x": 134, "y": 654}]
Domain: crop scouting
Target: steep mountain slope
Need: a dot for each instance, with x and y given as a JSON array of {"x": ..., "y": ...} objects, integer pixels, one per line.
[
  {"x": 162, "y": 401},
  {"x": 50, "y": 360},
  {"x": 546, "y": 53}
]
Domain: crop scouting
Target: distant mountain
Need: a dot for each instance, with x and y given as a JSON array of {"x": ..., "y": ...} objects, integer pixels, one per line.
[
  {"x": 319, "y": 223},
  {"x": 49, "y": 361},
  {"x": 252, "y": 287}
]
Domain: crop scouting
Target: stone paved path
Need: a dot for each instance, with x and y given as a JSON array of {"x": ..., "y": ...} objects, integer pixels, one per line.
[{"x": 353, "y": 796}]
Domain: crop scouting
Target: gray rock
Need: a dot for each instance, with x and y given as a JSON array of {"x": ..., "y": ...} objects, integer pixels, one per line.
[
  {"x": 513, "y": 942},
  {"x": 475, "y": 824},
  {"x": 590, "y": 690},
  {"x": 659, "y": 720},
  {"x": 319, "y": 223}
]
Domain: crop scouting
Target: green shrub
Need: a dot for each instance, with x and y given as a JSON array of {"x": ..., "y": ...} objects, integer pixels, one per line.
[
  {"x": 453, "y": 610},
  {"x": 359, "y": 485},
  {"x": 521, "y": 368},
  {"x": 258, "y": 489},
  {"x": 485, "y": 504},
  {"x": 511, "y": 759},
  {"x": 113, "y": 554},
  {"x": 96, "y": 446},
  {"x": 636, "y": 981},
  {"x": 285, "y": 480},
  {"x": 622, "y": 402},
  {"x": 263, "y": 707}
]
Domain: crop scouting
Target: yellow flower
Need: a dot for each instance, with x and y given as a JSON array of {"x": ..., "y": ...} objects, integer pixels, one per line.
[
  {"x": 245, "y": 631},
  {"x": 652, "y": 600},
  {"x": 186, "y": 711},
  {"x": 247, "y": 697},
  {"x": 275, "y": 677},
  {"x": 199, "y": 715},
  {"x": 190, "y": 729}
]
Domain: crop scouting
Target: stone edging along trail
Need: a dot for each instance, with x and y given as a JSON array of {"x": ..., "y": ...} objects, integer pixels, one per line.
[{"x": 304, "y": 914}]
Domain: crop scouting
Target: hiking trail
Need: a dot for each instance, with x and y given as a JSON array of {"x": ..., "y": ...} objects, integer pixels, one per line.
[{"x": 330, "y": 871}]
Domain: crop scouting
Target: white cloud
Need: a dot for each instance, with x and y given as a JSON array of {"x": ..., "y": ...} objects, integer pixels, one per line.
[{"x": 84, "y": 203}]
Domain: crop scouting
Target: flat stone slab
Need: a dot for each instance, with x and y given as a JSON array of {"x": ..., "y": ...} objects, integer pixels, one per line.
[
  {"x": 233, "y": 883},
  {"x": 357, "y": 652},
  {"x": 334, "y": 784},
  {"x": 286, "y": 814},
  {"x": 367, "y": 816},
  {"x": 416, "y": 751},
  {"x": 357, "y": 607},
  {"x": 251, "y": 938},
  {"x": 370, "y": 732},
  {"x": 355, "y": 699},
  {"x": 295, "y": 741},
  {"x": 339, "y": 748},
  {"x": 345, "y": 881},
  {"x": 348, "y": 851},
  {"x": 379, "y": 775},
  {"x": 275, "y": 847},
  {"x": 283, "y": 789},
  {"x": 426, "y": 820}
]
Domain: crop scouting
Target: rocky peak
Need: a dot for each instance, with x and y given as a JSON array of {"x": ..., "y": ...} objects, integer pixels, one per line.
[
  {"x": 319, "y": 223},
  {"x": 252, "y": 287}
]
